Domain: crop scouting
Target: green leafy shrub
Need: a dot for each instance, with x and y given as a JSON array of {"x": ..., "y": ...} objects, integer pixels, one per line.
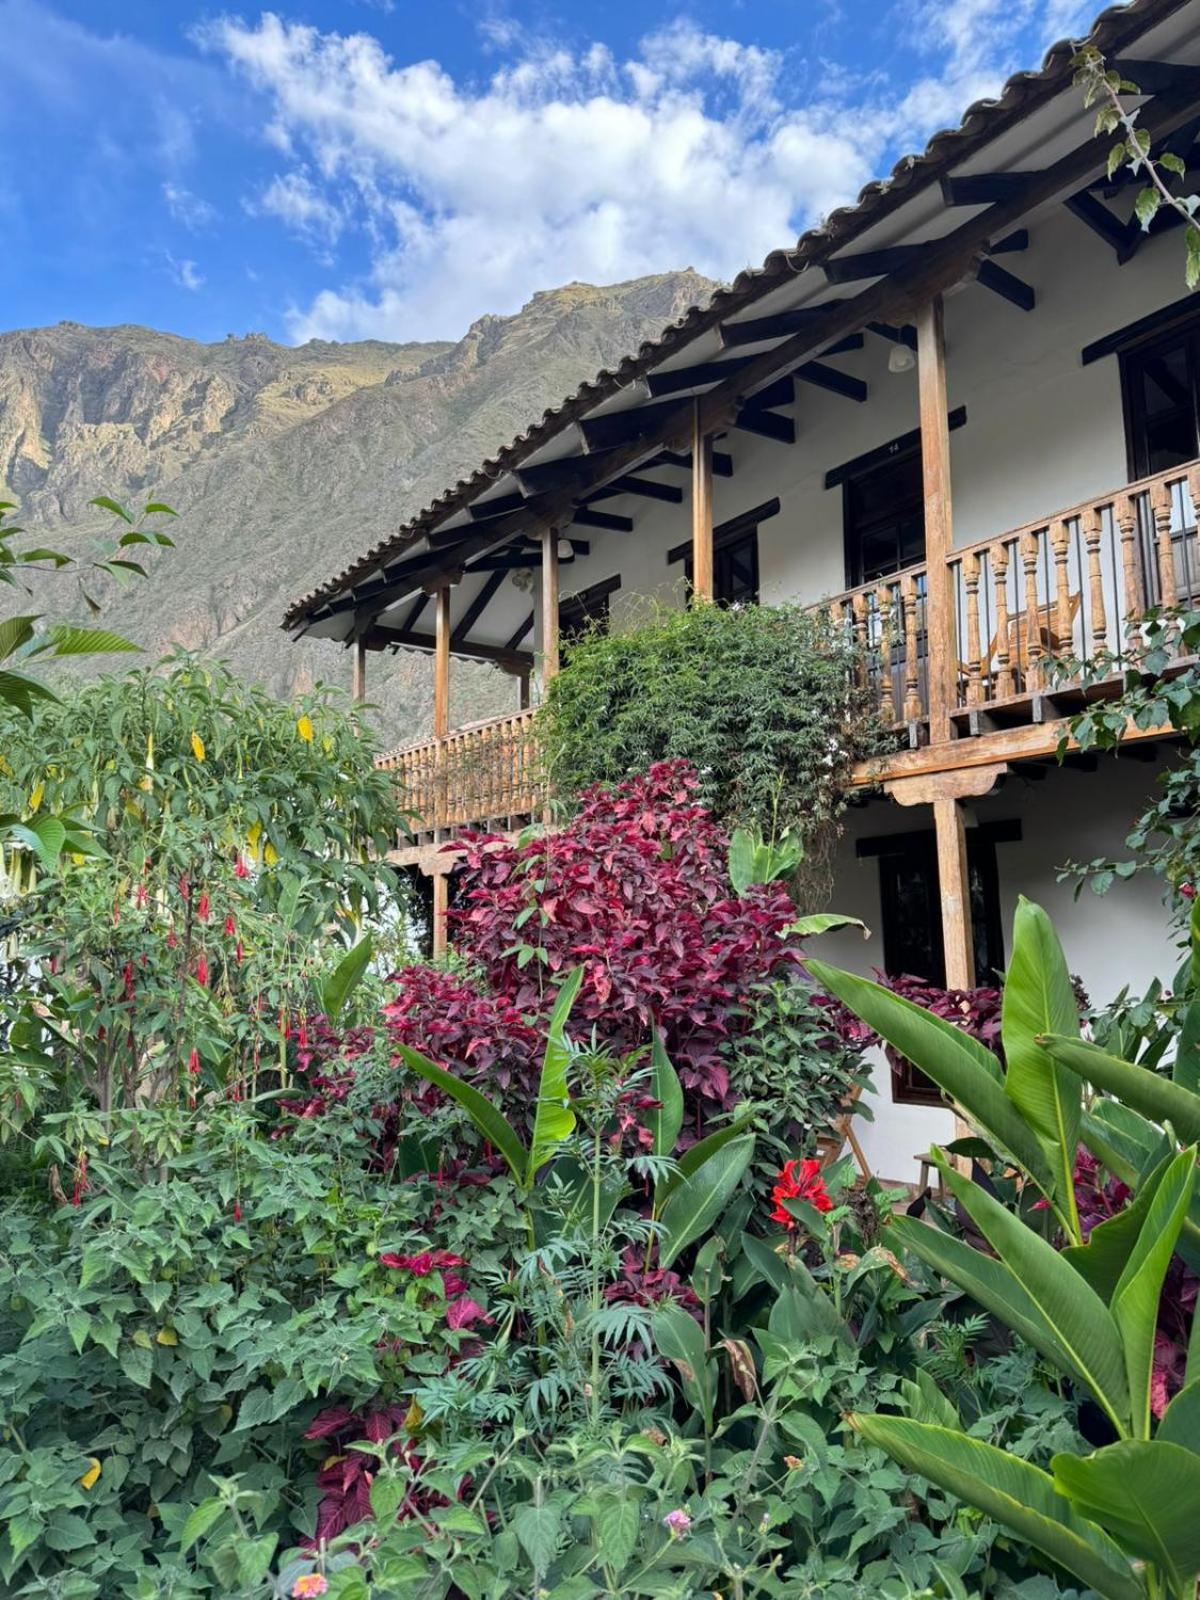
[{"x": 766, "y": 702}]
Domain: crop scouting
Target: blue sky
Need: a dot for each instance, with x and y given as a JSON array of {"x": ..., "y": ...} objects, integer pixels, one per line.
[{"x": 383, "y": 169}]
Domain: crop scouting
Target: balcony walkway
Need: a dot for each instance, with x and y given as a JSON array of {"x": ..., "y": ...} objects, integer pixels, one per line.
[{"x": 1070, "y": 586}]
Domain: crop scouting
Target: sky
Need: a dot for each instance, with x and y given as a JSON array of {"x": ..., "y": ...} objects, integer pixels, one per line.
[{"x": 359, "y": 169}]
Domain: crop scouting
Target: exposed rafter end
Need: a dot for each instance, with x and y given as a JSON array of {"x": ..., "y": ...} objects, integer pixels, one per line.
[
  {"x": 903, "y": 335},
  {"x": 767, "y": 424},
  {"x": 816, "y": 372},
  {"x": 587, "y": 518},
  {"x": 722, "y": 464}
]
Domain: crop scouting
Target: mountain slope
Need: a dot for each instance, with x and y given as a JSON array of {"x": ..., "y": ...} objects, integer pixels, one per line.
[{"x": 284, "y": 463}]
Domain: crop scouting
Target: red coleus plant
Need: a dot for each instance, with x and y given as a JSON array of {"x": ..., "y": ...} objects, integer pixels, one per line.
[
  {"x": 473, "y": 1033},
  {"x": 635, "y": 890},
  {"x": 346, "y": 1475}
]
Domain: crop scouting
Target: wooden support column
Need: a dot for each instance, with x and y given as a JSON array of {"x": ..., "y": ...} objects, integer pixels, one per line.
[
  {"x": 939, "y": 527},
  {"x": 358, "y": 678},
  {"x": 702, "y": 509},
  {"x": 549, "y": 605},
  {"x": 954, "y": 893},
  {"x": 441, "y": 904},
  {"x": 441, "y": 663}
]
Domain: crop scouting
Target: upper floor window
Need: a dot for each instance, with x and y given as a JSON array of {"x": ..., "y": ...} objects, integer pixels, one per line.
[
  {"x": 1160, "y": 380},
  {"x": 884, "y": 518},
  {"x": 586, "y": 611},
  {"x": 735, "y": 556}
]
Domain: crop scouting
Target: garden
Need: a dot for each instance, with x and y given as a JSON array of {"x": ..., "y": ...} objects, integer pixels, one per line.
[{"x": 540, "y": 1270}]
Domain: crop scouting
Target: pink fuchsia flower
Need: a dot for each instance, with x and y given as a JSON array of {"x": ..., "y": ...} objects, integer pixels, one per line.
[
  {"x": 799, "y": 1180},
  {"x": 202, "y": 907},
  {"x": 240, "y": 869},
  {"x": 677, "y": 1522},
  {"x": 310, "y": 1583},
  {"x": 202, "y": 971}
]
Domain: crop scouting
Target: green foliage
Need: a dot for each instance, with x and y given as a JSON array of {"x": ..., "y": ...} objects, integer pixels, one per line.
[
  {"x": 20, "y": 637},
  {"x": 1090, "y": 1310},
  {"x": 764, "y": 701},
  {"x": 191, "y": 860}
]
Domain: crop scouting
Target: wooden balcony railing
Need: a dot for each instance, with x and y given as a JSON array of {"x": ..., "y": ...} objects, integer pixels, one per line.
[
  {"x": 1070, "y": 585},
  {"x": 487, "y": 774}
]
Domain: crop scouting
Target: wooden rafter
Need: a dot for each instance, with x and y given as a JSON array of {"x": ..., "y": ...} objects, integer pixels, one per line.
[
  {"x": 905, "y": 334},
  {"x": 722, "y": 464},
  {"x": 668, "y": 493},
  {"x": 701, "y": 376},
  {"x": 587, "y": 518},
  {"x": 385, "y": 638},
  {"x": 767, "y": 424},
  {"x": 476, "y": 608},
  {"x": 758, "y": 330},
  {"x": 1007, "y": 285},
  {"x": 830, "y": 378}
]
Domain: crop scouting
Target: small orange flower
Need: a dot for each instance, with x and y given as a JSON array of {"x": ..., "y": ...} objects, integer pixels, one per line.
[
  {"x": 799, "y": 1180},
  {"x": 309, "y": 1583}
]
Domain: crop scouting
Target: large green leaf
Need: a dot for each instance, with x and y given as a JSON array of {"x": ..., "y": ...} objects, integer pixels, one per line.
[
  {"x": 1135, "y": 1299},
  {"x": 19, "y": 690},
  {"x": 680, "y": 1339},
  {"x": 14, "y": 632},
  {"x": 700, "y": 1196},
  {"x": 988, "y": 1281},
  {"x": 1039, "y": 999},
  {"x": 337, "y": 986},
  {"x": 825, "y": 922},
  {"x": 694, "y": 1157},
  {"x": 965, "y": 1069},
  {"x": 1146, "y": 1494},
  {"x": 1078, "y": 1317},
  {"x": 66, "y": 640},
  {"x": 1013, "y": 1492},
  {"x": 45, "y": 838},
  {"x": 1151, "y": 1095},
  {"x": 478, "y": 1107},
  {"x": 667, "y": 1120},
  {"x": 554, "y": 1120}
]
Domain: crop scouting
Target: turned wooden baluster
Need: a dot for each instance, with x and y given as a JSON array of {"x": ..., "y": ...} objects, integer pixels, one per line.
[
  {"x": 1125, "y": 511},
  {"x": 1160, "y": 501},
  {"x": 1004, "y": 675},
  {"x": 912, "y": 682},
  {"x": 1093, "y": 533},
  {"x": 1033, "y": 619},
  {"x": 970, "y": 567},
  {"x": 858, "y": 613},
  {"x": 883, "y": 608},
  {"x": 1060, "y": 541}
]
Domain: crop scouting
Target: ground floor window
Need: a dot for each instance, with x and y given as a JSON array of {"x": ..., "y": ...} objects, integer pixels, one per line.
[{"x": 911, "y": 920}]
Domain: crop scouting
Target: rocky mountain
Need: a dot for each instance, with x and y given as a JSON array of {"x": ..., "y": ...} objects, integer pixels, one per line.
[{"x": 284, "y": 462}]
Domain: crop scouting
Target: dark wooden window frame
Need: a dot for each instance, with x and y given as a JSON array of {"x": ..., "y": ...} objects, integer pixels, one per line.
[
  {"x": 909, "y": 1086},
  {"x": 1133, "y": 400},
  {"x": 574, "y": 610},
  {"x": 739, "y": 533}
]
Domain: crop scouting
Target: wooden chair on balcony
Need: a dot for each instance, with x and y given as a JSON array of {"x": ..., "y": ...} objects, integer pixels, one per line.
[{"x": 1052, "y": 639}]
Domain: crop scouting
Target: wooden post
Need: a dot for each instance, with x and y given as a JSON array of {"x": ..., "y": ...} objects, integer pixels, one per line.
[
  {"x": 549, "y": 597},
  {"x": 441, "y": 663},
  {"x": 954, "y": 891},
  {"x": 441, "y": 904},
  {"x": 358, "y": 677},
  {"x": 702, "y": 510},
  {"x": 939, "y": 528}
]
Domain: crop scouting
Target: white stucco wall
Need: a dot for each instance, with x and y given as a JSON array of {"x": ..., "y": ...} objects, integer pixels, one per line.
[{"x": 1117, "y": 940}]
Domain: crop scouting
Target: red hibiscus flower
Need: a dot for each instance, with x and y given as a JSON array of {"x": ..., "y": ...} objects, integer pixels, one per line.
[{"x": 799, "y": 1180}]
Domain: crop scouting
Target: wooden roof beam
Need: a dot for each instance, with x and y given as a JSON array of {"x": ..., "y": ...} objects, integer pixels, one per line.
[
  {"x": 1094, "y": 214},
  {"x": 816, "y": 372},
  {"x": 668, "y": 493},
  {"x": 722, "y": 464},
  {"x": 474, "y": 611},
  {"x": 757, "y": 330},
  {"x": 1007, "y": 285},
  {"x": 906, "y": 334},
  {"x": 1157, "y": 77},
  {"x": 701, "y": 376},
  {"x": 585, "y": 517},
  {"x": 767, "y": 424}
]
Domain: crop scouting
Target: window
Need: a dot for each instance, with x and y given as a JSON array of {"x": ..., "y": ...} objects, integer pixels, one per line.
[
  {"x": 588, "y": 609},
  {"x": 735, "y": 556},
  {"x": 911, "y": 921},
  {"x": 883, "y": 514},
  {"x": 1160, "y": 382}
]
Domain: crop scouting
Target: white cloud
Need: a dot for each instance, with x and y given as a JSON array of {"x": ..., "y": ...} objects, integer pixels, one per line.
[
  {"x": 185, "y": 273},
  {"x": 297, "y": 202},
  {"x": 571, "y": 163},
  {"x": 194, "y": 213}
]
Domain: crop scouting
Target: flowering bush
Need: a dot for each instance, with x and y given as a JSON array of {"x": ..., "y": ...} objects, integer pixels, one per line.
[
  {"x": 635, "y": 890},
  {"x": 799, "y": 1180}
]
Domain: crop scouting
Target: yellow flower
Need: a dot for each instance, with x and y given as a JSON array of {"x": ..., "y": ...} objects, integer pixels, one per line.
[
  {"x": 35, "y": 799},
  {"x": 197, "y": 746},
  {"x": 270, "y": 854},
  {"x": 92, "y": 1475},
  {"x": 304, "y": 728}
]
